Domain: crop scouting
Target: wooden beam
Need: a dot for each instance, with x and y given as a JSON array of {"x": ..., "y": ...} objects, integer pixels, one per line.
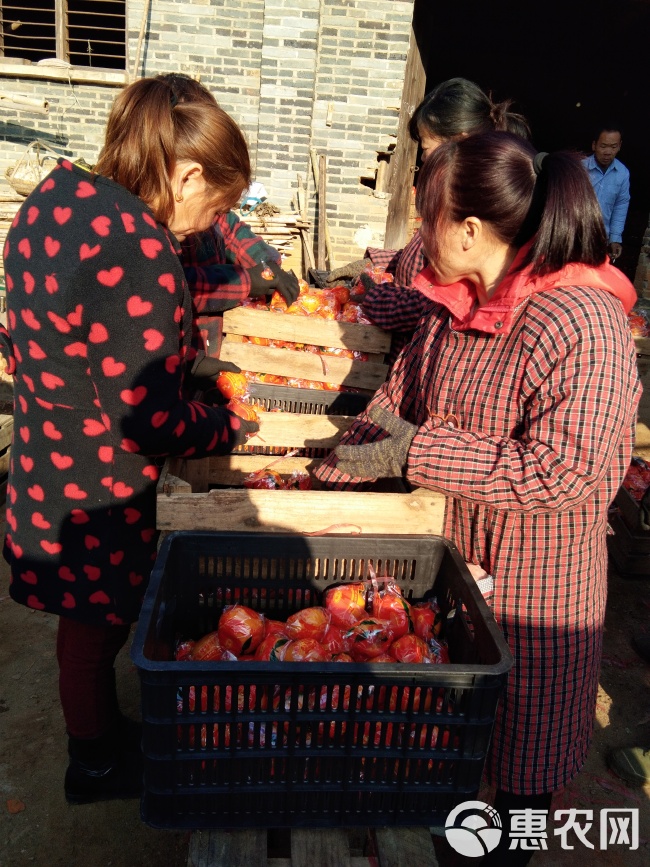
[{"x": 405, "y": 154}]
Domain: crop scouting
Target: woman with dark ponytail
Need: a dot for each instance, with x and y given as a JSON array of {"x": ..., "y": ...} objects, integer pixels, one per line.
[
  {"x": 516, "y": 399},
  {"x": 453, "y": 110}
]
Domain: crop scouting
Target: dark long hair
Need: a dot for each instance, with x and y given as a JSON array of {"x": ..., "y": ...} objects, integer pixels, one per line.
[
  {"x": 458, "y": 107},
  {"x": 150, "y": 129},
  {"x": 491, "y": 176}
]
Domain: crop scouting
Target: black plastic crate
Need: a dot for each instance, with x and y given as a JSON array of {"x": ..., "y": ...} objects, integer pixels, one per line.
[
  {"x": 302, "y": 400},
  {"x": 306, "y": 744}
]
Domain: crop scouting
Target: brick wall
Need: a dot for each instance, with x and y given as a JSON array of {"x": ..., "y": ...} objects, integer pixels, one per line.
[{"x": 296, "y": 75}]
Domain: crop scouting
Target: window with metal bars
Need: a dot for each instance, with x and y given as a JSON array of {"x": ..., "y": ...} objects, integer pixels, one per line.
[{"x": 81, "y": 32}]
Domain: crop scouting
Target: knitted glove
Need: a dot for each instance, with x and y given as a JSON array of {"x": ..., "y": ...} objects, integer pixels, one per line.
[
  {"x": 267, "y": 277},
  {"x": 239, "y": 428},
  {"x": 383, "y": 459},
  {"x": 348, "y": 272},
  {"x": 204, "y": 374}
]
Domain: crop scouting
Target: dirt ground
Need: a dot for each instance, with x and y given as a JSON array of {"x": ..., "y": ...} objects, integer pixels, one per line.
[{"x": 37, "y": 827}]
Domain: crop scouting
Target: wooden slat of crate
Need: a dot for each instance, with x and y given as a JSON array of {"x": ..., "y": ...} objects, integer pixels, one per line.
[
  {"x": 395, "y": 847},
  {"x": 244, "y": 510},
  {"x": 367, "y": 375},
  {"x": 305, "y": 329},
  {"x": 305, "y": 365}
]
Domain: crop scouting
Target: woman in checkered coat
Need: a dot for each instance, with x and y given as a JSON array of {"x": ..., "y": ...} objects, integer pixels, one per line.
[{"x": 517, "y": 399}]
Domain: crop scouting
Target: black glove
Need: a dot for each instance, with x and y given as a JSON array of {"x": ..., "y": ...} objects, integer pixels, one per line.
[
  {"x": 203, "y": 377},
  {"x": 383, "y": 459},
  {"x": 239, "y": 428},
  {"x": 350, "y": 271},
  {"x": 284, "y": 282}
]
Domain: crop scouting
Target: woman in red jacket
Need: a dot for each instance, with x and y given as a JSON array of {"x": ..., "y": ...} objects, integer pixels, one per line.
[
  {"x": 99, "y": 316},
  {"x": 517, "y": 399}
]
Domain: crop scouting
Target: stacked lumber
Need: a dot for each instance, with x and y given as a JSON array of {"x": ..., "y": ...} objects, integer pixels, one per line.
[
  {"x": 278, "y": 230},
  {"x": 8, "y": 210}
]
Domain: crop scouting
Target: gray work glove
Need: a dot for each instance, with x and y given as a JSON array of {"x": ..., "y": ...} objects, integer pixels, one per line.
[
  {"x": 284, "y": 282},
  {"x": 383, "y": 459},
  {"x": 348, "y": 272}
]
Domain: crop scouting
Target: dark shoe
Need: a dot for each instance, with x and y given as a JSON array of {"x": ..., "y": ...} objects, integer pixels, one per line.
[
  {"x": 100, "y": 771},
  {"x": 641, "y": 643},
  {"x": 631, "y": 764}
]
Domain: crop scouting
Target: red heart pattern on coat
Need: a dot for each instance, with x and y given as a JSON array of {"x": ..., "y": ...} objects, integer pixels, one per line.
[
  {"x": 84, "y": 190},
  {"x": 150, "y": 247},
  {"x": 93, "y": 428},
  {"x": 105, "y": 454},
  {"x": 137, "y": 307},
  {"x": 27, "y": 463},
  {"x": 40, "y": 522},
  {"x": 135, "y": 396},
  {"x": 116, "y": 557},
  {"x": 153, "y": 339},
  {"x": 66, "y": 573},
  {"x": 98, "y": 333},
  {"x": 135, "y": 579},
  {"x": 93, "y": 573},
  {"x": 36, "y": 492},
  {"x": 111, "y": 367},
  {"x": 51, "y": 547},
  {"x": 61, "y": 462},
  {"x": 25, "y": 247},
  {"x": 52, "y": 246},
  {"x": 158, "y": 419},
  {"x": 51, "y": 380},
  {"x": 51, "y": 431},
  {"x": 30, "y": 320},
  {"x": 171, "y": 363},
  {"x": 110, "y": 277},
  {"x": 68, "y": 600},
  {"x": 32, "y": 215},
  {"x": 35, "y": 350},
  {"x": 102, "y": 225},
  {"x": 99, "y": 597},
  {"x": 128, "y": 221},
  {"x": 91, "y": 542},
  {"x": 132, "y": 516},
  {"x": 73, "y": 492},
  {"x": 74, "y": 318},
  {"x": 87, "y": 252},
  {"x": 35, "y": 602},
  {"x": 62, "y": 215},
  {"x": 122, "y": 490},
  {"x": 48, "y": 184},
  {"x": 76, "y": 350},
  {"x": 168, "y": 282},
  {"x": 51, "y": 284},
  {"x": 78, "y": 516},
  {"x": 29, "y": 577},
  {"x": 59, "y": 322},
  {"x": 28, "y": 281}
]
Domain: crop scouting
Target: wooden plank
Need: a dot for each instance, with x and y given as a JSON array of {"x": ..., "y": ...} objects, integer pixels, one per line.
[
  {"x": 404, "y": 156},
  {"x": 4, "y": 462},
  {"x": 306, "y": 430},
  {"x": 319, "y": 848},
  {"x": 293, "y": 511},
  {"x": 6, "y": 430},
  {"x": 305, "y": 329},
  {"x": 405, "y": 847},
  {"x": 241, "y": 848},
  {"x": 305, "y": 365}
]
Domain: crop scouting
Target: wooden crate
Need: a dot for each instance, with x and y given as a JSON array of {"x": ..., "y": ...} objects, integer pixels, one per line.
[
  {"x": 249, "y": 322},
  {"x": 300, "y": 847},
  {"x": 203, "y": 493}
]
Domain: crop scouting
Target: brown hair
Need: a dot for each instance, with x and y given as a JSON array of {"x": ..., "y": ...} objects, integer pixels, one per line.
[
  {"x": 492, "y": 177},
  {"x": 149, "y": 130}
]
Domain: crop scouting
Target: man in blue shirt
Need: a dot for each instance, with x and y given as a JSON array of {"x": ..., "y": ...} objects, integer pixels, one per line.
[{"x": 611, "y": 182}]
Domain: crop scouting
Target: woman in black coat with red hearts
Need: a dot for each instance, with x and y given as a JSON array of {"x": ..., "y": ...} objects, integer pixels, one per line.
[{"x": 99, "y": 319}]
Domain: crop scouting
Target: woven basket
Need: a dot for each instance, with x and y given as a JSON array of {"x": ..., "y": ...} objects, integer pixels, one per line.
[{"x": 37, "y": 161}]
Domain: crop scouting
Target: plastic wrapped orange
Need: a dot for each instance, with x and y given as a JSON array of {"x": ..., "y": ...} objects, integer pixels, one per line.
[
  {"x": 265, "y": 480},
  {"x": 343, "y": 657},
  {"x": 206, "y": 649},
  {"x": 308, "y": 623},
  {"x": 346, "y": 603},
  {"x": 370, "y": 638},
  {"x": 389, "y": 605},
  {"x": 333, "y": 640},
  {"x": 240, "y": 629},
  {"x": 231, "y": 384},
  {"x": 410, "y": 648},
  {"x": 274, "y": 627},
  {"x": 184, "y": 650},
  {"x": 244, "y": 410},
  {"x": 271, "y": 648},
  {"x": 305, "y": 650},
  {"x": 427, "y": 619}
]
